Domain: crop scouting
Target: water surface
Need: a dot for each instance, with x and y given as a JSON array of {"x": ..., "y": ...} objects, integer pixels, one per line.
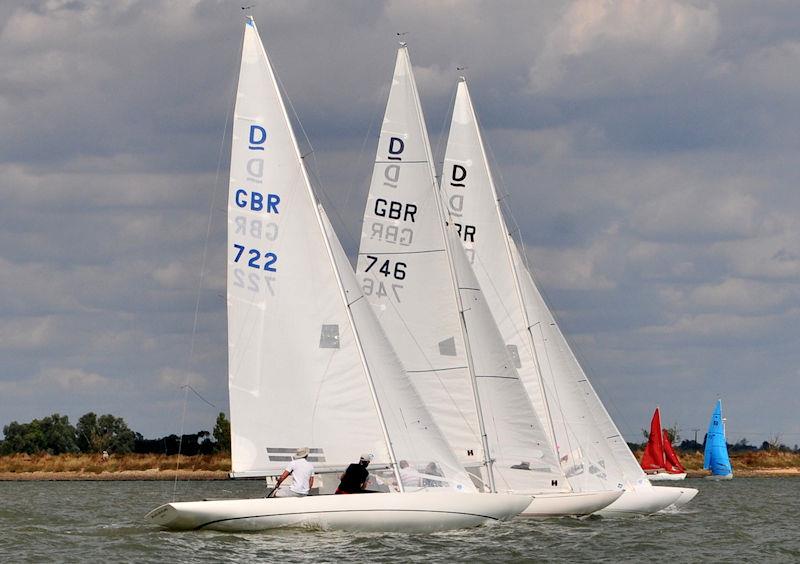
[{"x": 746, "y": 519}]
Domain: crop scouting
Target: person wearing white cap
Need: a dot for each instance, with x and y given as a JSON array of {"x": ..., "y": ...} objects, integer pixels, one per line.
[
  {"x": 303, "y": 473},
  {"x": 354, "y": 479}
]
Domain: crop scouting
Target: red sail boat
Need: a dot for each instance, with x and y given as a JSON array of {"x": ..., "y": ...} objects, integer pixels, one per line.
[{"x": 660, "y": 462}]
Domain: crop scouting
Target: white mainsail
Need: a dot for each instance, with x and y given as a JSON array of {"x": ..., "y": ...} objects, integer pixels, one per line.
[
  {"x": 402, "y": 264},
  {"x": 307, "y": 365},
  {"x": 416, "y": 281},
  {"x": 590, "y": 447}
]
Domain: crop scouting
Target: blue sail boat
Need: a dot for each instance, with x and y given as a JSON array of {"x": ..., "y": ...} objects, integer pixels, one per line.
[{"x": 716, "y": 451}]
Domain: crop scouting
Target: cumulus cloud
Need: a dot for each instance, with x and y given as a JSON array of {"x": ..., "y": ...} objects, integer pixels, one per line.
[
  {"x": 647, "y": 150},
  {"x": 599, "y": 46}
]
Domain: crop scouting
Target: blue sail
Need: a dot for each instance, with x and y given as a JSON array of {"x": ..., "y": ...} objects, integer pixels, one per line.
[{"x": 716, "y": 452}]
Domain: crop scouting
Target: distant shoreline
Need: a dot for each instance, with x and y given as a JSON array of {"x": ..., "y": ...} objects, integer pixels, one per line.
[
  {"x": 219, "y": 475},
  {"x": 159, "y": 467}
]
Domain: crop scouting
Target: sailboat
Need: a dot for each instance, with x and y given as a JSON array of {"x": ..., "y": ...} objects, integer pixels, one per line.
[
  {"x": 590, "y": 448},
  {"x": 659, "y": 461},
  {"x": 416, "y": 276},
  {"x": 716, "y": 457},
  {"x": 308, "y": 363}
]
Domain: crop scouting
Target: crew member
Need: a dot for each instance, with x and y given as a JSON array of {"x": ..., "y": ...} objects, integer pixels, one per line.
[
  {"x": 354, "y": 479},
  {"x": 303, "y": 473}
]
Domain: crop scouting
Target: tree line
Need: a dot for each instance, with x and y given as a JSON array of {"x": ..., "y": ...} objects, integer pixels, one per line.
[{"x": 54, "y": 434}]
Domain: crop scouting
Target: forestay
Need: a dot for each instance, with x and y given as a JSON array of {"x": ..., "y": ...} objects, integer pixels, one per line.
[
  {"x": 298, "y": 373},
  {"x": 553, "y": 380}
]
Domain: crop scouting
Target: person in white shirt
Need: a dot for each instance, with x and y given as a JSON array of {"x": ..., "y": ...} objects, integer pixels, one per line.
[
  {"x": 410, "y": 476},
  {"x": 303, "y": 473}
]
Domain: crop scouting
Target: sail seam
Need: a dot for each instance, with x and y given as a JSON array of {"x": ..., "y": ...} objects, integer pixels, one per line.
[
  {"x": 402, "y": 252},
  {"x": 436, "y": 369}
]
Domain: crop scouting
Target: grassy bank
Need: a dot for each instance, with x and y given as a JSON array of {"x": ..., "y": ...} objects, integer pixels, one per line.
[
  {"x": 744, "y": 463},
  {"x": 217, "y": 466},
  {"x": 122, "y": 466}
]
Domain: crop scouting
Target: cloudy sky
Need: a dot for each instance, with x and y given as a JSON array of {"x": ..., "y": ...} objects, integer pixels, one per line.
[{"x": 649, "y": 150}]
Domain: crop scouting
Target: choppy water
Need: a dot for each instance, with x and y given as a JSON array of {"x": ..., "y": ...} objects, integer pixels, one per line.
[{"x": 746, "y": 519}]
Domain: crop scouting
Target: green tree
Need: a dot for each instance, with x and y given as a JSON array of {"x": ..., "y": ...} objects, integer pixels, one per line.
[
  {"x": 52, "y": 434},
  {"x": 96, "y": 434},
  {"x": 222, "y": 433}
]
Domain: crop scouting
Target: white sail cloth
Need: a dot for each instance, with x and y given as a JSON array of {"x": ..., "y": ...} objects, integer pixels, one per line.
[
  {"x": 307, "y": 365},
  {"x": 407, "y": 275},
  {"x": 404, "y": 272},
  {"x": 591, "y": 451}
]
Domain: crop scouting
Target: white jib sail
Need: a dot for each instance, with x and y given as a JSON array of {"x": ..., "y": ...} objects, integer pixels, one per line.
[
  {"x": 524, "y": 460},
  {"x": 471, "y": 199},
  {"x": 298, "y": 375}
]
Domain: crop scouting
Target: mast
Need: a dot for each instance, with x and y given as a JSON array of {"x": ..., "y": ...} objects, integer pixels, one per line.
[
  {"x": 487, "y": 458},
  {"x": 334, "y": 266},
  {"x": 528, "y": 327}
]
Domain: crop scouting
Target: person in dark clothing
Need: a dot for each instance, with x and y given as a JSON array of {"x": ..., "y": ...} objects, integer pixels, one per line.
[{"x": 354, "y": 479}]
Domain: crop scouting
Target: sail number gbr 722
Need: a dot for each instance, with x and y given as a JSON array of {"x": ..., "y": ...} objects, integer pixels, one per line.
[
  {"x": 387, "y": 268},
  {"x": 255, "y": 258}
]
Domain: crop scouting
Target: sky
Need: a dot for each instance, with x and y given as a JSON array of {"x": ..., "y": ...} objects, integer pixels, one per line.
[{"x": 648, "y": 150}]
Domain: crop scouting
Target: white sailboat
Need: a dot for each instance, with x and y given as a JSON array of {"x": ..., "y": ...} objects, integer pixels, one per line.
[
  {"x": 414, "y": 274},
  {"x": 591, "y": 450},
  {"x": 308, "y": 362}
]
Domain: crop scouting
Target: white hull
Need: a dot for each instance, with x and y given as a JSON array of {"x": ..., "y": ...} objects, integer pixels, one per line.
[
  {"x": 717, "y": 478},
  {"x": 666, "y": 477},
  {"x": 687, "y": 495},
  {"x": 569, "y": 503},
  {"x": 375, "y": 512},
  {"x": 642, "y": 501}
]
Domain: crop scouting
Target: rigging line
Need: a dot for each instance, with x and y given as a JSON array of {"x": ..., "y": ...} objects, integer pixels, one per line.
[
  {"x": 441, "y": 146},
  {"x": 436, "y": 369},
  {"x": 375, "y": 113},
  {"x": 312, "y": 168},
  {"x": 574, "y": 349},
  {"x": 528, "y": 346},
  {"x": 200, "y": 280},
  {"x": 199, "y": 395},
  {"x": 505, "y": 203},
  {"x": 402, "y": 252}
]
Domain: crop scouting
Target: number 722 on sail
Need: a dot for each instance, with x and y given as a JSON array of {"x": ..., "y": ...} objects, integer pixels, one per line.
[{"x": 256, "y": 257}]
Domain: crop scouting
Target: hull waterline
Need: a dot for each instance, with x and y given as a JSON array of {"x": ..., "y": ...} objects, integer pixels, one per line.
[
  {"x": 687, "y": 495},
  {"x": 666, "y": 477},
  {"x": 569, "y": 503},
  {"x": 642, "y": 501},
  {"x": 376, "y": 512}
]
